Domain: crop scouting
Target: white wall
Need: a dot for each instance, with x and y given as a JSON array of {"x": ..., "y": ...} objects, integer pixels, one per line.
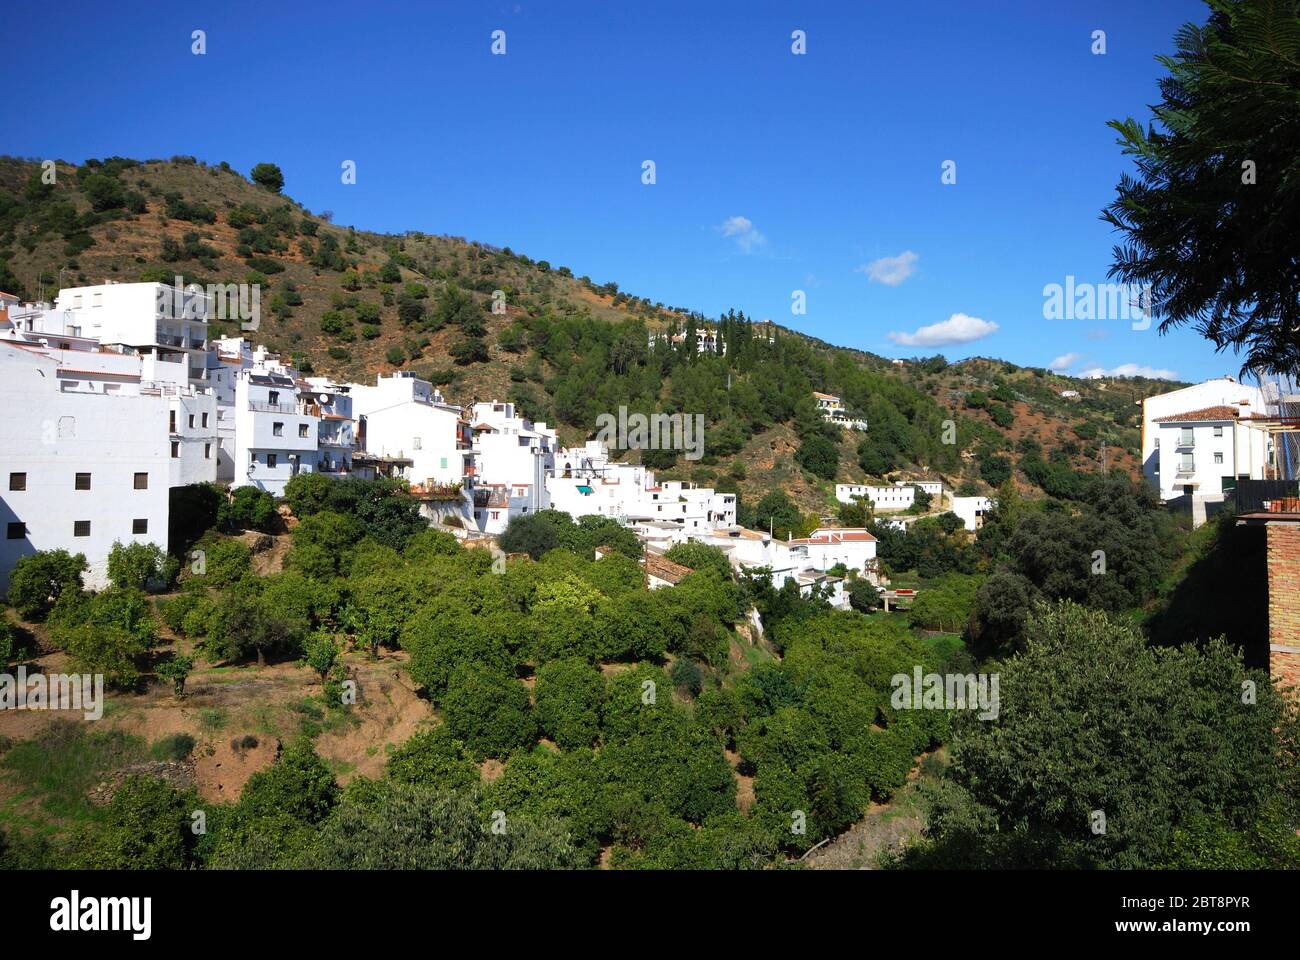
[
  {"x": 1223, "y": 391},
  {"x": 112, "y": 436}
]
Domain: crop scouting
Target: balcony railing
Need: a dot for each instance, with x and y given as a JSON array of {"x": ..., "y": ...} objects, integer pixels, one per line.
[
  {"x": 259, "y": 406},
  {"x": 1186, "y": 440}
]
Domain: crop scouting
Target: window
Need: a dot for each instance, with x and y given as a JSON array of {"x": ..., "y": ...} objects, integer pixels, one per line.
[
  {"x": 81, "y": 528},
  {"x": 271, "y": 460},
  {"x": 1186, "y": 463},
  {"x": 1218, "y": 458},
  {"x": 82, "y": 481},
  {"x": 302, "y": 429},
  {"x": 16, "y": 530},
  {"x": 1218, "y": 431},
  {"x": 17, "y": 481},
  {"x": 140, "y": 526},
  {"x": 207, "y": 451},
  {"x": 191, "y": 421},
  {"x": 176, "y": 450},
  {"x": 444, "y": 463},
  {"x": 1157, "y": 443},
  {"x": 277, "y": 429},
  {"x": 205, "y": 420},
  {"x": 171, "y": 421},
  {"x": 273, "y": 397},
  {"x": 415, "y": 443},
  {"x": 142, "y": 481}
]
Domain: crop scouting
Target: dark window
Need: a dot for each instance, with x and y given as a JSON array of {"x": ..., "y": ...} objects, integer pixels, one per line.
[
  {"x": 142, "y": 481},
  {"x": 17, "y": 530},
  {"x": 81, "y": 528},
  {"x": 139, "y": 526},
  {"x": 82, "y": 482},
  {"x": 271, "y": 459},
  {"x": 191, "y": 421},
  {"x": 17, "y": 481},
  {"x": 176, "y": 450},
  {"x": 171, "y": 420},
  {"x": 205, "y": 419}
]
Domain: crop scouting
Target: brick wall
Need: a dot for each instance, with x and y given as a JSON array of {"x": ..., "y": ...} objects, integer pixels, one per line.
[
  {"x": 1284, "y": 603},
  {"x": 1284, "y": 584}
]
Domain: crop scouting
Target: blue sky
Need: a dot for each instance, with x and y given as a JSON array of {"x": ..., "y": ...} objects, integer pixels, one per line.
[{"x": 775, "y": 172}]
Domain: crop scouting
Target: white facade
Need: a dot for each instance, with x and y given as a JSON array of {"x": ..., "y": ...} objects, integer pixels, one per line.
[
  {"x": 831, "y": 408},
  {"x": 408, "y": 418},
  {"x": 512, "y": 459},
  {"x": 275, "y": 434},
  {"x": 891, "y": 497},
  {"x": 1196, "y": 454},
  {"x": 1221, "y": 392},
  {"x": 163, "y": 330},
  {"x": 972, "y": 510},
  {"x": 84, "y": 461}
]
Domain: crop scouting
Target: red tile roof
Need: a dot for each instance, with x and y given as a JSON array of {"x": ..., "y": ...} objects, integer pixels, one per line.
[
  {"x": 661, "y": 568},
  {"x": 1222, "y": 412}
]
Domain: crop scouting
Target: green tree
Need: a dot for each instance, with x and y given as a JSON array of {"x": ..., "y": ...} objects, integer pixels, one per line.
[
  {"x": 1208, "y": 222},
  {"x": 569, "y": 695},
  {"x": 488, "y": 710},
  {"x": 39, "y": 579},
  {"x": 268, "y": 175}
]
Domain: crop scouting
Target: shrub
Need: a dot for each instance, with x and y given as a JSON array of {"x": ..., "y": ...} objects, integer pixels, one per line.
[{"x": 39, "y": 579}]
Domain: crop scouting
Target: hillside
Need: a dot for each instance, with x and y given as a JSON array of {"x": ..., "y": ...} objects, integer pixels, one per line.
[{"x": 350, "y": 304}]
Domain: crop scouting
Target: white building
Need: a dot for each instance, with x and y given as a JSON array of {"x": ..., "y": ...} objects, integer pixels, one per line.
[
  {"x": 405, "y": 417},
  {"x": 972, "y": 510},
  {"x": 1202, "y": 453},
  {"x": 165, "y": 328},
  {"x": 85, "y": 458},
  {"x": 832, "y": 408},
  {"x": 512, "y": 459},
  {"x": 1218, "y": 393},
  {"x": 276, "y": 433},
  {"x": 706, "y": 340}
]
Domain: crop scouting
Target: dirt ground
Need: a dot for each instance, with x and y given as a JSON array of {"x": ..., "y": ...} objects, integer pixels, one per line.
[{"x": 267, "y": 706}]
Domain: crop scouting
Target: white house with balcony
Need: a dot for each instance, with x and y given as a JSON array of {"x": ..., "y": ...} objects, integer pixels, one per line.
[
  {"x": 163, "y": 330},
  {"x": 513, "y": 457},
  {"x": 832, "y": 409},
  {"x": 1221, "y": 392},
  {"x": 1202, "y": 453},
  {"x": 85, "y": 458},
  {"x": 276, "y": 433}
]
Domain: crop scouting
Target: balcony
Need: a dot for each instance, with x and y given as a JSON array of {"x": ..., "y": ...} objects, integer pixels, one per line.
[
  {"x": 258, "y": 406},
  {"x": 1186, "y": 441}
]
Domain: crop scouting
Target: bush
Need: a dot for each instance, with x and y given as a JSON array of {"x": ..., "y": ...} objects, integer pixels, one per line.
[
  {"x": 569, "y": 695},
  {"x": 139, "y": 566},
  {"x": 268, "y": 175},
  {"x": 248, "y": 509},
  {"x": 488, "y": 710},
  {"x": 39, "y": 579}
]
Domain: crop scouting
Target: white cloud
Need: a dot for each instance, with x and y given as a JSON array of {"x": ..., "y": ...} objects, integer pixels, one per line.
[
  {"x": 959, "y": 328},
  {"x": 891, "y": 271},
  {"x": 1130, "y": 370},
  {"x": 1065, "y": 361},
  {"x": 743, "y": 231}
]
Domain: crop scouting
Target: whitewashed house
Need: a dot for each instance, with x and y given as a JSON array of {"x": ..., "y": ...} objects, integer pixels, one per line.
[
  {"x": 1244, "y": 456},
  {"x": 85, "y": 457},
  {"x": 165, "y": 328},
  {"x": 832, "y": 408}
]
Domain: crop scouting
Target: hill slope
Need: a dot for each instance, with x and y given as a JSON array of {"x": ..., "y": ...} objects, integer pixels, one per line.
[{"x": 349, "y": 304}]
